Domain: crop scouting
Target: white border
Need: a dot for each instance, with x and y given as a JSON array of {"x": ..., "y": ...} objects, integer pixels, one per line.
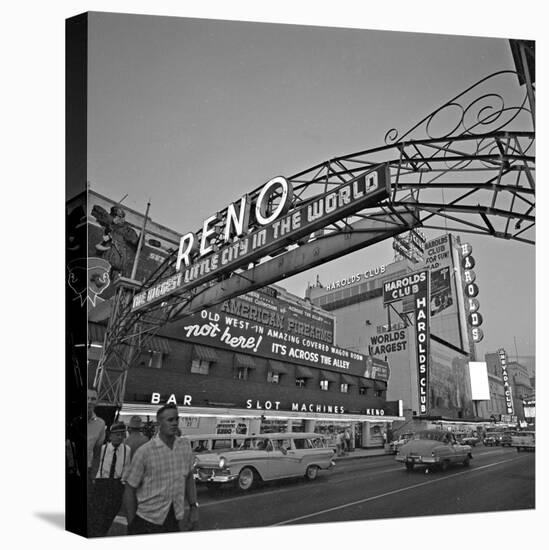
[{"x": 33, "y": 271}]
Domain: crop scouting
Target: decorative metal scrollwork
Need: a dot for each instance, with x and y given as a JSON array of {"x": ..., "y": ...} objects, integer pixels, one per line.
[{"x": 477, "y": 110}]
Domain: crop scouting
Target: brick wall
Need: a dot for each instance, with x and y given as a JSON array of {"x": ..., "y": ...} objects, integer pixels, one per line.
[{"x": 221, "y": 386}]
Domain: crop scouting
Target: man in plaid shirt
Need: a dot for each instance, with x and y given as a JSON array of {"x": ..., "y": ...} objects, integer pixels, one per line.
[{"x": 160, "y": 479}]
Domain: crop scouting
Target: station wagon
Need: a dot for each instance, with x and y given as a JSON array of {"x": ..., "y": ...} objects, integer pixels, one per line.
[{"x": 265, "y": 457}]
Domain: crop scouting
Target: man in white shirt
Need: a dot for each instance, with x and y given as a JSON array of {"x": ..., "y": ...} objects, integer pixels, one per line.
[
  {"x": 160, "y": 480},
  {"x": 114, "y": 460},
  {"x": 95, "y": 434}
]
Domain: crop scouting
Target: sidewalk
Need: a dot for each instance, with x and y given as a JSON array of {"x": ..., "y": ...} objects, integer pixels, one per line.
[{"x": 362, "y": 453}]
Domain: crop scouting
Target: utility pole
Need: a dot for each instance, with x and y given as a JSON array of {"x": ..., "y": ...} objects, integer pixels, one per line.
[
  {"x": 516, "y": 352},
  {"x": 140, "y": 243}
]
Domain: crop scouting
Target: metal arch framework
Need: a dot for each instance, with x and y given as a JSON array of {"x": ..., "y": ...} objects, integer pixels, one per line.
[{"x": 468, "y": 167}]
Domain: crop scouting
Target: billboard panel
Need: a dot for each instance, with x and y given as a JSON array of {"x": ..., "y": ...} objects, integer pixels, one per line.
[
  {"x": 284, "y": 332},
  {"x": 449, "y": 383},
  {"x": 438, "y": 259},
  {"x": 480, "y": 388},
  {"x": 276, "y": 312},
  {"x": 445, "y": 320}
]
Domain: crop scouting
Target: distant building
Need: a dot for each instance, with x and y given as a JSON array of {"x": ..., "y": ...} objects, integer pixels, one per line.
[
  {"x": 519, "y": 383},
  {"x": 387, "y": 331},
  {"x": 522, "y": 387},
  {"x": 494, "y": 408}
]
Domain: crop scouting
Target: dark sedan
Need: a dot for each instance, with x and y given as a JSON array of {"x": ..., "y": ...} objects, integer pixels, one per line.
[{"x": 492, "y": 439}]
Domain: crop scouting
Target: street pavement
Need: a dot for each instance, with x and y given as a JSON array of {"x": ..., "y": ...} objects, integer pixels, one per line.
[
  {"x": 370, "y": 484},
  {"x": 362, "y": 453}
]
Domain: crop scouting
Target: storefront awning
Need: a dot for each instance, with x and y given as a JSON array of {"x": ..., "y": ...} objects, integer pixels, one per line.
[
  {"x": 378, "y": 385},
  {"x": 349, "y": 380},
  {"x": 155, "y": 344},
  {"x": 205, "y": 354},
  {"x": 278, "y": 368},
  {"x": 245, "y": 361},
  {"x": 366, "y": 383},
  {"x": 330, "y": 376},
  {"x": 303, "y": 372}
]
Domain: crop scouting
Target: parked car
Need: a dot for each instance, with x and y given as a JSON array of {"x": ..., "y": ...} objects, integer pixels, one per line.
[
  {"x": 469, "y": 440},
  {"x": 492, "y": 438},
  {"x": 395, "y": 445},
  {"x": 434, "y": 448},
  {"x": 265, "y": 457},
  {"x": 524, "y": 441},
  {"x": 506, "y": 438}
]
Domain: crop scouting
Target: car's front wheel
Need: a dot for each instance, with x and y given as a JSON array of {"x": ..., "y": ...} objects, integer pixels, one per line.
[
  {"x": 246, "y": 479},
  {"x": 311, "y": 473}
]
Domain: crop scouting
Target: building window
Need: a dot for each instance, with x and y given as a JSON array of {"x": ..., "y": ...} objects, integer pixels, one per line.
[
  {"x": 241, "y": 373},
  {"x": 300, "y": 382},
  {"x": 199, "y": 366},
  {"x": 361, "y": 391},
  {"x": 379, "y": 393},
  {"x": 344, "y": 388},
  {"x": 154, "y": 360},
  {"x": 273, "y": 377},
  {"x": 324, "y": 385}
]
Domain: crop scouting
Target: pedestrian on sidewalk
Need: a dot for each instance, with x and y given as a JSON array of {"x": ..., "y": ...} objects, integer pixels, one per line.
[
  {"x": 108, "y": 487},
  {"x": 136, "y": 437},
  {"x": 347, "y": 436},
  {"x": 95, "y": 434},
  {"x": 160, "y": 480},
  {"x": 340, "y": 444}
]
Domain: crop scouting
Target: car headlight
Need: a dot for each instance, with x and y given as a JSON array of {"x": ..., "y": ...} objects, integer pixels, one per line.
[{"x": 222, "y": 462}]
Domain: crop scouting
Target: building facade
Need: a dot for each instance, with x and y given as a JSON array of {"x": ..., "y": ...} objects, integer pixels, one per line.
[
  {"x": 512, "y": 385},
  {"x": 265, "y": 361},
  {"x": 368, "y": 323},
  {"x": 495, "y": 408}
]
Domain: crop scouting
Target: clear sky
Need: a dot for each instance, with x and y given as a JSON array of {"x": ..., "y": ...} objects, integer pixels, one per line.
[{"x": 192, "y": 114}]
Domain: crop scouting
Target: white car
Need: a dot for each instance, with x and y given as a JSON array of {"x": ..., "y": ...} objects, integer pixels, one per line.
[
  {"x": 395, "y": 445},
  {"x": 524, "y": 441},
  {"x": 266, "y": 457}
]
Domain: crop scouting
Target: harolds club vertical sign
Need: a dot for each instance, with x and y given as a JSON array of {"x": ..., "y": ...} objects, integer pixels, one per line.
[
  {"x": 416, "y": 286},
  {"x": 421, "y": 310}
]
